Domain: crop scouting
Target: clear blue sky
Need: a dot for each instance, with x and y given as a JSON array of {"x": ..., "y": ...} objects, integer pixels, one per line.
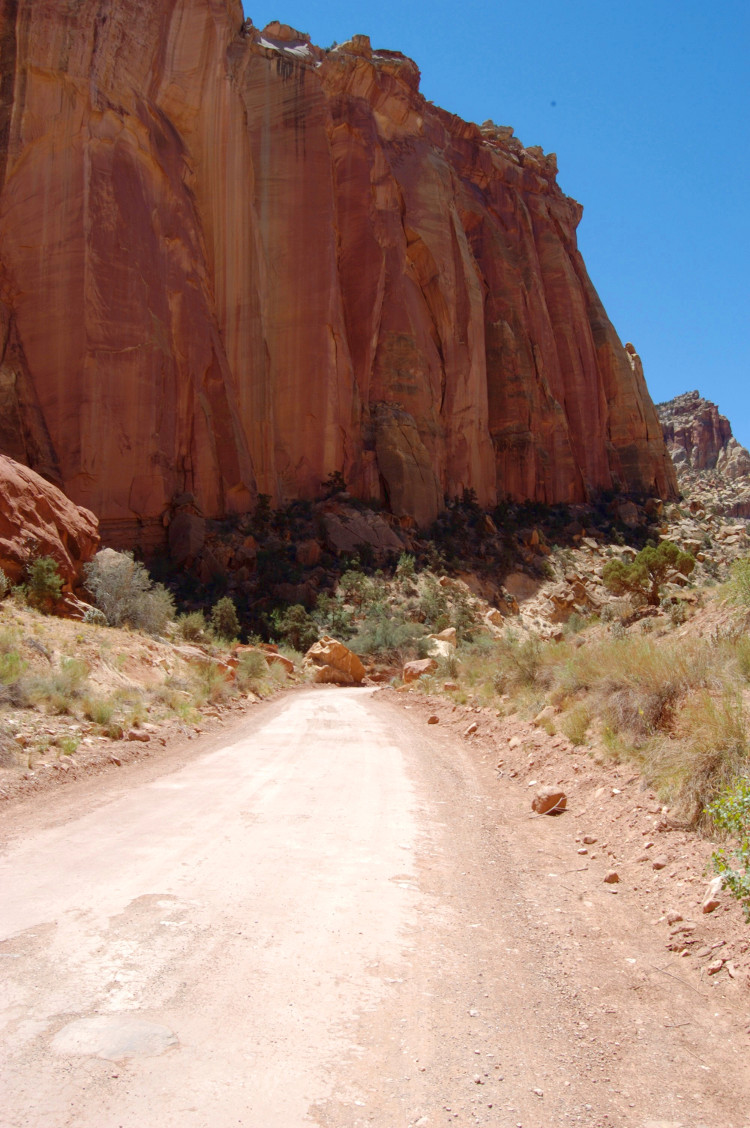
[{"x": 647, "y": 105}]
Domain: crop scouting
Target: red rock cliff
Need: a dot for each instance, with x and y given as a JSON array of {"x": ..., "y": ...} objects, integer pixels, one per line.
[{"x": 231, "y": 262}]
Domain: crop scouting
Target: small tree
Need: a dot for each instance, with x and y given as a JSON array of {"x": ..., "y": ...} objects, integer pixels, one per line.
[
  {"x": 648, "y": 571},
  {"x": 224, "y": 621},
  {"x": 295, "y": 626},
  {"x": 44, "y": 585}
]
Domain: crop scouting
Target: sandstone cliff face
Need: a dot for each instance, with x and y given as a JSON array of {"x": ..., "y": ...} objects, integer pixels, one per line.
[
  {"x": 712, "y": 467},
  {"x": 698, "y": 437},
  {"x": 231, "y": 262}
]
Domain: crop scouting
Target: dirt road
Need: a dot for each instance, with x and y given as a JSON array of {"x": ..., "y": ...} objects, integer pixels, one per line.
[{"x": 337, "y": 918}]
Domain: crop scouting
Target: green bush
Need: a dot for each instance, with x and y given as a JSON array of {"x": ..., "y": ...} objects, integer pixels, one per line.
[
  {"x": 731, "y": 813},
  {"x": 406, "y": 567},
  {"x": 192, "y": 627},
  {"x": 100, "y": 710},
  {"x": 433, "y": 605},
  {"x": 384, "y": 635},
  {"x": 4, "y": 584},
  {"x": 224, "y": 621},
  {"x": 738, "y": 588},
  {"x": 43, "y": 583},
  {"x": 125, "y": 594},
  {"x": 11, "y": 667},
  {"x": 295, "y": 626}
]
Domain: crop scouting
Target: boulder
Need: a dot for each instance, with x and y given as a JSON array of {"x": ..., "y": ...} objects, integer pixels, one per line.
[
  {"x": 711, "y": 899},
  {"x": 346, "y": 528},
  {"x": 330, "y": 661},
  {"x": 37, "y": 519},
  {"x": 308, "y": 553},
  {"x": 413, "y": 670},
  {"x": 549, "y": 801},
  {"x": 448, "y": 635}
]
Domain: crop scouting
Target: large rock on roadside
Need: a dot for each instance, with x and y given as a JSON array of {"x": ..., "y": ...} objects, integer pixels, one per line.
[
  {"x": 414, "y": 670},
  {"x": 549, "y": 801},
  {"x": 37, "y": 519},
  {"x": 332, "y": 662}
]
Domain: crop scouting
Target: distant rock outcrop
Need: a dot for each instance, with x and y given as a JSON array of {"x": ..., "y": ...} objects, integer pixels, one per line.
[
  {"x": 711, "y": 465},
  {"x": 37, "y": 519},
  {"x": 232, "y": 262}
]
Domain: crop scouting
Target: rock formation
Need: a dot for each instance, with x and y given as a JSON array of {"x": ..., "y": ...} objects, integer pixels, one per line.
[
  {"x": 36, "y": 519},
  {"x": 232, "y": 262},
  {"x": 712, "y": 467}
]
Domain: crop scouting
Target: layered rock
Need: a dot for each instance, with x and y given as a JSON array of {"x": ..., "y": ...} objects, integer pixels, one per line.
[
  {"x": 712, "y": 467},
  {"x": 36, "y": 519},
  {"x": 231, "y": 262}
]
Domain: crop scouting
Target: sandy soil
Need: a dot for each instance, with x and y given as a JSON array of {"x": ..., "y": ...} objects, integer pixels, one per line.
[{"x": 337, "y": 914}]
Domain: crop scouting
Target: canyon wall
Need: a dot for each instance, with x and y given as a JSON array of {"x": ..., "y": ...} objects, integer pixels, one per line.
[{"x": 231, "y": 263}]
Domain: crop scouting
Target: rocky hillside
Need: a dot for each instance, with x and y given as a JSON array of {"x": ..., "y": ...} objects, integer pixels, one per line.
[
  {"x": 232, "y": 262},
  {"x": 713, "y": 469}
]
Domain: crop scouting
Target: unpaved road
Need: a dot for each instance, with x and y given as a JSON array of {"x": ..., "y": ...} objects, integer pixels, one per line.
[{"x": 337, "y": 918}]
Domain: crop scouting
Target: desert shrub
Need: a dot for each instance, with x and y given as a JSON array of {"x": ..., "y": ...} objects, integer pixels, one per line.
[
  {"x": 644, "y": 577},
  {"x": 59, "y": 691},
  {"x": 433, "y": 605},
  {"x": 100, "y": 710},
  {"x": 730, "y": 813},
  {"x": 210, "y": 684},
  {"x": 462, "y": 616},
  {"x": 4, "y": 584},
  {"x": 11, "y": 667},
  {"x": 448, "y": 666},
  {"x": 192, "y": 626},
  {"x": 154, "y": 609},
  {"x": 332, "y": 617},
  {"x": 575, "y": 724},
  {"x": 385, "y": 635},
  {"x": 224, "y": 621},
  {"x": 738, "y": 588},
  {"x": 69, "y": 744},
  {"x": 742, "y": 655},
  {"x": 95, "y": 617},
  {"x": 406, "y": 567},
  {"x": 43, "y": 583},
  {"x": 295, "y": 626},
  {"x": 518, "y": 662},
  {"x": 708, "y": 752},
  {"x": 638, "y": 683},
  {"x": 252, "y": 666},
  {"x": 125, "y": 594}
]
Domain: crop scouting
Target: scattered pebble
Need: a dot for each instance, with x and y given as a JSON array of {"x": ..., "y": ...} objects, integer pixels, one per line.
[{"x": 611, "y": 877}]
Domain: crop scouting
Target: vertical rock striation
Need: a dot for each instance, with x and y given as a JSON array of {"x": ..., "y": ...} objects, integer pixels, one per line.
[{"x": 232, "y": 262}]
